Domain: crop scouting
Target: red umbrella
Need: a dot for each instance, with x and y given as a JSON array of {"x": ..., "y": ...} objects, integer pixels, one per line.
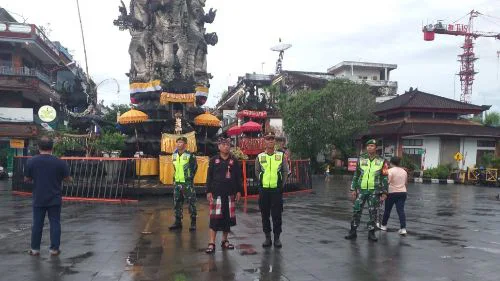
[
  {"x": 251, "y": 126},
  {"x": 234, "y": 131}
]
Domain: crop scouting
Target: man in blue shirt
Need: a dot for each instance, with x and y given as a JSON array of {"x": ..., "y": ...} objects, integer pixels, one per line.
[{"x": 47, "y": 173}]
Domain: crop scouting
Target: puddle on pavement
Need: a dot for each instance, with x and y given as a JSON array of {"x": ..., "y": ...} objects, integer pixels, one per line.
[
  {"x": 445, "y": 214},
  {"x": 246, "y": 249},
  {"x": 80, "y": 258}
]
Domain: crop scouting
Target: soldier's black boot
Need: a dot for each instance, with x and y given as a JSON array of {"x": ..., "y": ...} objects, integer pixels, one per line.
[
  {"x": 268, "y": 243},
  {"x": 372, "y": 236},
  {"x": 177, "y": 225},
  {"x": 193, "y": 225},
  {"x": 352, "y": 234},
  {"x": 277, "y": 241}
]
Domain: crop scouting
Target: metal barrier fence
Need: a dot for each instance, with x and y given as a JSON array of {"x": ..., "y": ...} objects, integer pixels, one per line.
[
  {"x": 105, "y": 178},
  {"x": 111, "y": 178}
]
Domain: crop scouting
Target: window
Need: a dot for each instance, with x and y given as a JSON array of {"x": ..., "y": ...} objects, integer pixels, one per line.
[
  {"x": 482, "y": 156},
  {"x": 412, "y": 151},
  {"x": 413, "y": 142},
  {"x": 486, "y": 143},
  {"x": 375, "y": 78},
  {"x": 414, "y": 154},
  {"x": 6, "y": 60}
]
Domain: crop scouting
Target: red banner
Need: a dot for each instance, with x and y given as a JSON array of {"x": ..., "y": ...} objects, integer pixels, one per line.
[
  {"x": 252, "y": 114},
  {"x": 251, "y": 146}
]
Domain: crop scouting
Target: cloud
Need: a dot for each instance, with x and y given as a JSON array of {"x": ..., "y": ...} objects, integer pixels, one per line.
[{"x": 322, "y": 33}]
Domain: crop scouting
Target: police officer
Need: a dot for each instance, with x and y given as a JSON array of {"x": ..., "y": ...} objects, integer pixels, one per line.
[
  {"x": 184, "y": 170},
  {"x": 271, "y": 170},
  {"x": 368, "y": 185}
]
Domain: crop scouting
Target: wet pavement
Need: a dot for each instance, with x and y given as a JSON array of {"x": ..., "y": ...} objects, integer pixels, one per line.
[{"x": 453, "y": 235}]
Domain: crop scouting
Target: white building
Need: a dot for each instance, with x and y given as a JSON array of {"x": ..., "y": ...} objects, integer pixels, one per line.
[
  {"x": 376, "y": 75},
  {"x": 431, "y": 129}
]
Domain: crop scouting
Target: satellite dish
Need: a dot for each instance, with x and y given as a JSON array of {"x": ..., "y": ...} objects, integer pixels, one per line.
[{"x": 281, "y": 47}]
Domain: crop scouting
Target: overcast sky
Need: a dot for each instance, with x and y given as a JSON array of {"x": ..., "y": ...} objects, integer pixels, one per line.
[{"x": 322, "y": 33}]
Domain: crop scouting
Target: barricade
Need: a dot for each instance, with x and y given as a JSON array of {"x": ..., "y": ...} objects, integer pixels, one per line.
[{"x": 112, "y": 178}]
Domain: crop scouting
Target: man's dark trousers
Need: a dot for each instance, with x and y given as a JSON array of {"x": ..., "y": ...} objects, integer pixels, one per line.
[
  {"x": 271, "y": 204},
  {"x": 54, "y": 213}
]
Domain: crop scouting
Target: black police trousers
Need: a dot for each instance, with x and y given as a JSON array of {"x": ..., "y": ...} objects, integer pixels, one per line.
[{"x": 271, "y": 204}]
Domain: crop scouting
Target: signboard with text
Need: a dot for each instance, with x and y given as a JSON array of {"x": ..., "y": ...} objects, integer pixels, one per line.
[
  {"x": 16, "y": 115},
  {"x": 16, "y": 143}
]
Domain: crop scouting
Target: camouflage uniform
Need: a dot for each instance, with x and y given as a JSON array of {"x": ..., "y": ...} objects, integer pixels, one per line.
[
  {"x": 185, "y": 189},
  {"x": 366, "y": 194}
]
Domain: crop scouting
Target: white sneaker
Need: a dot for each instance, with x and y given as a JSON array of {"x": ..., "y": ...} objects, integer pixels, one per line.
[
  {"x": 383, "y": 227},
  {"x": 54, "y": 252},
  {"x": 402, "y": 231}
]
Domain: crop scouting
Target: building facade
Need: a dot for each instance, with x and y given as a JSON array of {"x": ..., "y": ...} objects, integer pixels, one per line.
[
  {"x": 430, "y": 130},
  {"x": 34, "y": 71}
]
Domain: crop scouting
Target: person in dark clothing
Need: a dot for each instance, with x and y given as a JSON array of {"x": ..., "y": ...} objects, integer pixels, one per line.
[
  {"x": 271, "y": 169},
  {"x": 224, "y": 188},
  {"x": 47, "y": 173}
]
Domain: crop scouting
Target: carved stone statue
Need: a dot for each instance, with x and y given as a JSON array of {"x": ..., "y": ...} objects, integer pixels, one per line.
[{"x": 169, "y": 40}]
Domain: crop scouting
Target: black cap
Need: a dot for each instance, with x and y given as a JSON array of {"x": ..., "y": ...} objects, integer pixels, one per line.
[
  {"x": 224, "y": 141},
  {"x": 184, "y": 139}
]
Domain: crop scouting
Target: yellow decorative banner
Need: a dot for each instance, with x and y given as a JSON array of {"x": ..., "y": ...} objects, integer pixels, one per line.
[
  {"x": 147, "y": 167},
  {"x": 165, "y": 98},
  {"x": 201, "y": 91},
  {"x": 167, "y": 170},
  {"x": 145, "y": 87},
  {"x": 168, "y": 142}
]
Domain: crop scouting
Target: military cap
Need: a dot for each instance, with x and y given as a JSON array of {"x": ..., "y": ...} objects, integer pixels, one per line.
[{"x": 371, "y": 141}]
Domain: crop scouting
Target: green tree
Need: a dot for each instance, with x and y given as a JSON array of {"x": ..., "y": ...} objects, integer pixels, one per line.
[
  {"x": 335, "y": 115},
  {"x": 492, "y": 119},
  {"x": 111, "y": 114}
]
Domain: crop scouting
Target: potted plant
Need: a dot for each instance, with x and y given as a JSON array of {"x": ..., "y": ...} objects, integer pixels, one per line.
[
  {"x": 111, "y": 144},
  {"x": 68, "y": 147}
]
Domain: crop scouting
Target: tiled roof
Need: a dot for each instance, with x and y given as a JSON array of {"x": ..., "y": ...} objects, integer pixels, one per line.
[
  {"x": 422, "y": 100},
  {"x": 433, "y": 127}
]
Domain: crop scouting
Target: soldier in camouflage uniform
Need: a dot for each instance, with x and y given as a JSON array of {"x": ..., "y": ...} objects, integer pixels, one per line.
[
  {"x": 184, "y": 170},
  {"x": 368, "y": 185}
]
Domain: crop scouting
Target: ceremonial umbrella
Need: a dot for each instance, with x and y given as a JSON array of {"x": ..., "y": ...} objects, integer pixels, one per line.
[
  {"x": 207, "y": 119},
  {"x": 251, "y": 126},
  {"x": 133, "y": 116},
  {"x": 234, "y": 131}
]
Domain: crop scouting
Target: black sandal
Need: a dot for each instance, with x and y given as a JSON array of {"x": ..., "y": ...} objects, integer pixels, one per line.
[
  {"x": 210, "y": 249},
  {"x": 225, "y": 245}
]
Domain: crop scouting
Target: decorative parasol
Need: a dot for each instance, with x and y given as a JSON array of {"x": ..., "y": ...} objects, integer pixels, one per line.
[
  {"x": 132, "y": 116},
  {"x": 251, "y": 126},
  {"x": 234, "y": 131},
  {"x": 207, "y": 119}
]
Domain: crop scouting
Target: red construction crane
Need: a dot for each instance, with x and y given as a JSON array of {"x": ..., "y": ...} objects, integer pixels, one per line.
[{"x": 468, "y": 57}]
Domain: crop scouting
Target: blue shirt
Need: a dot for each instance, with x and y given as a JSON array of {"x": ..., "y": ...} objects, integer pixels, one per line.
[{"x": 47, "y": 172}]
